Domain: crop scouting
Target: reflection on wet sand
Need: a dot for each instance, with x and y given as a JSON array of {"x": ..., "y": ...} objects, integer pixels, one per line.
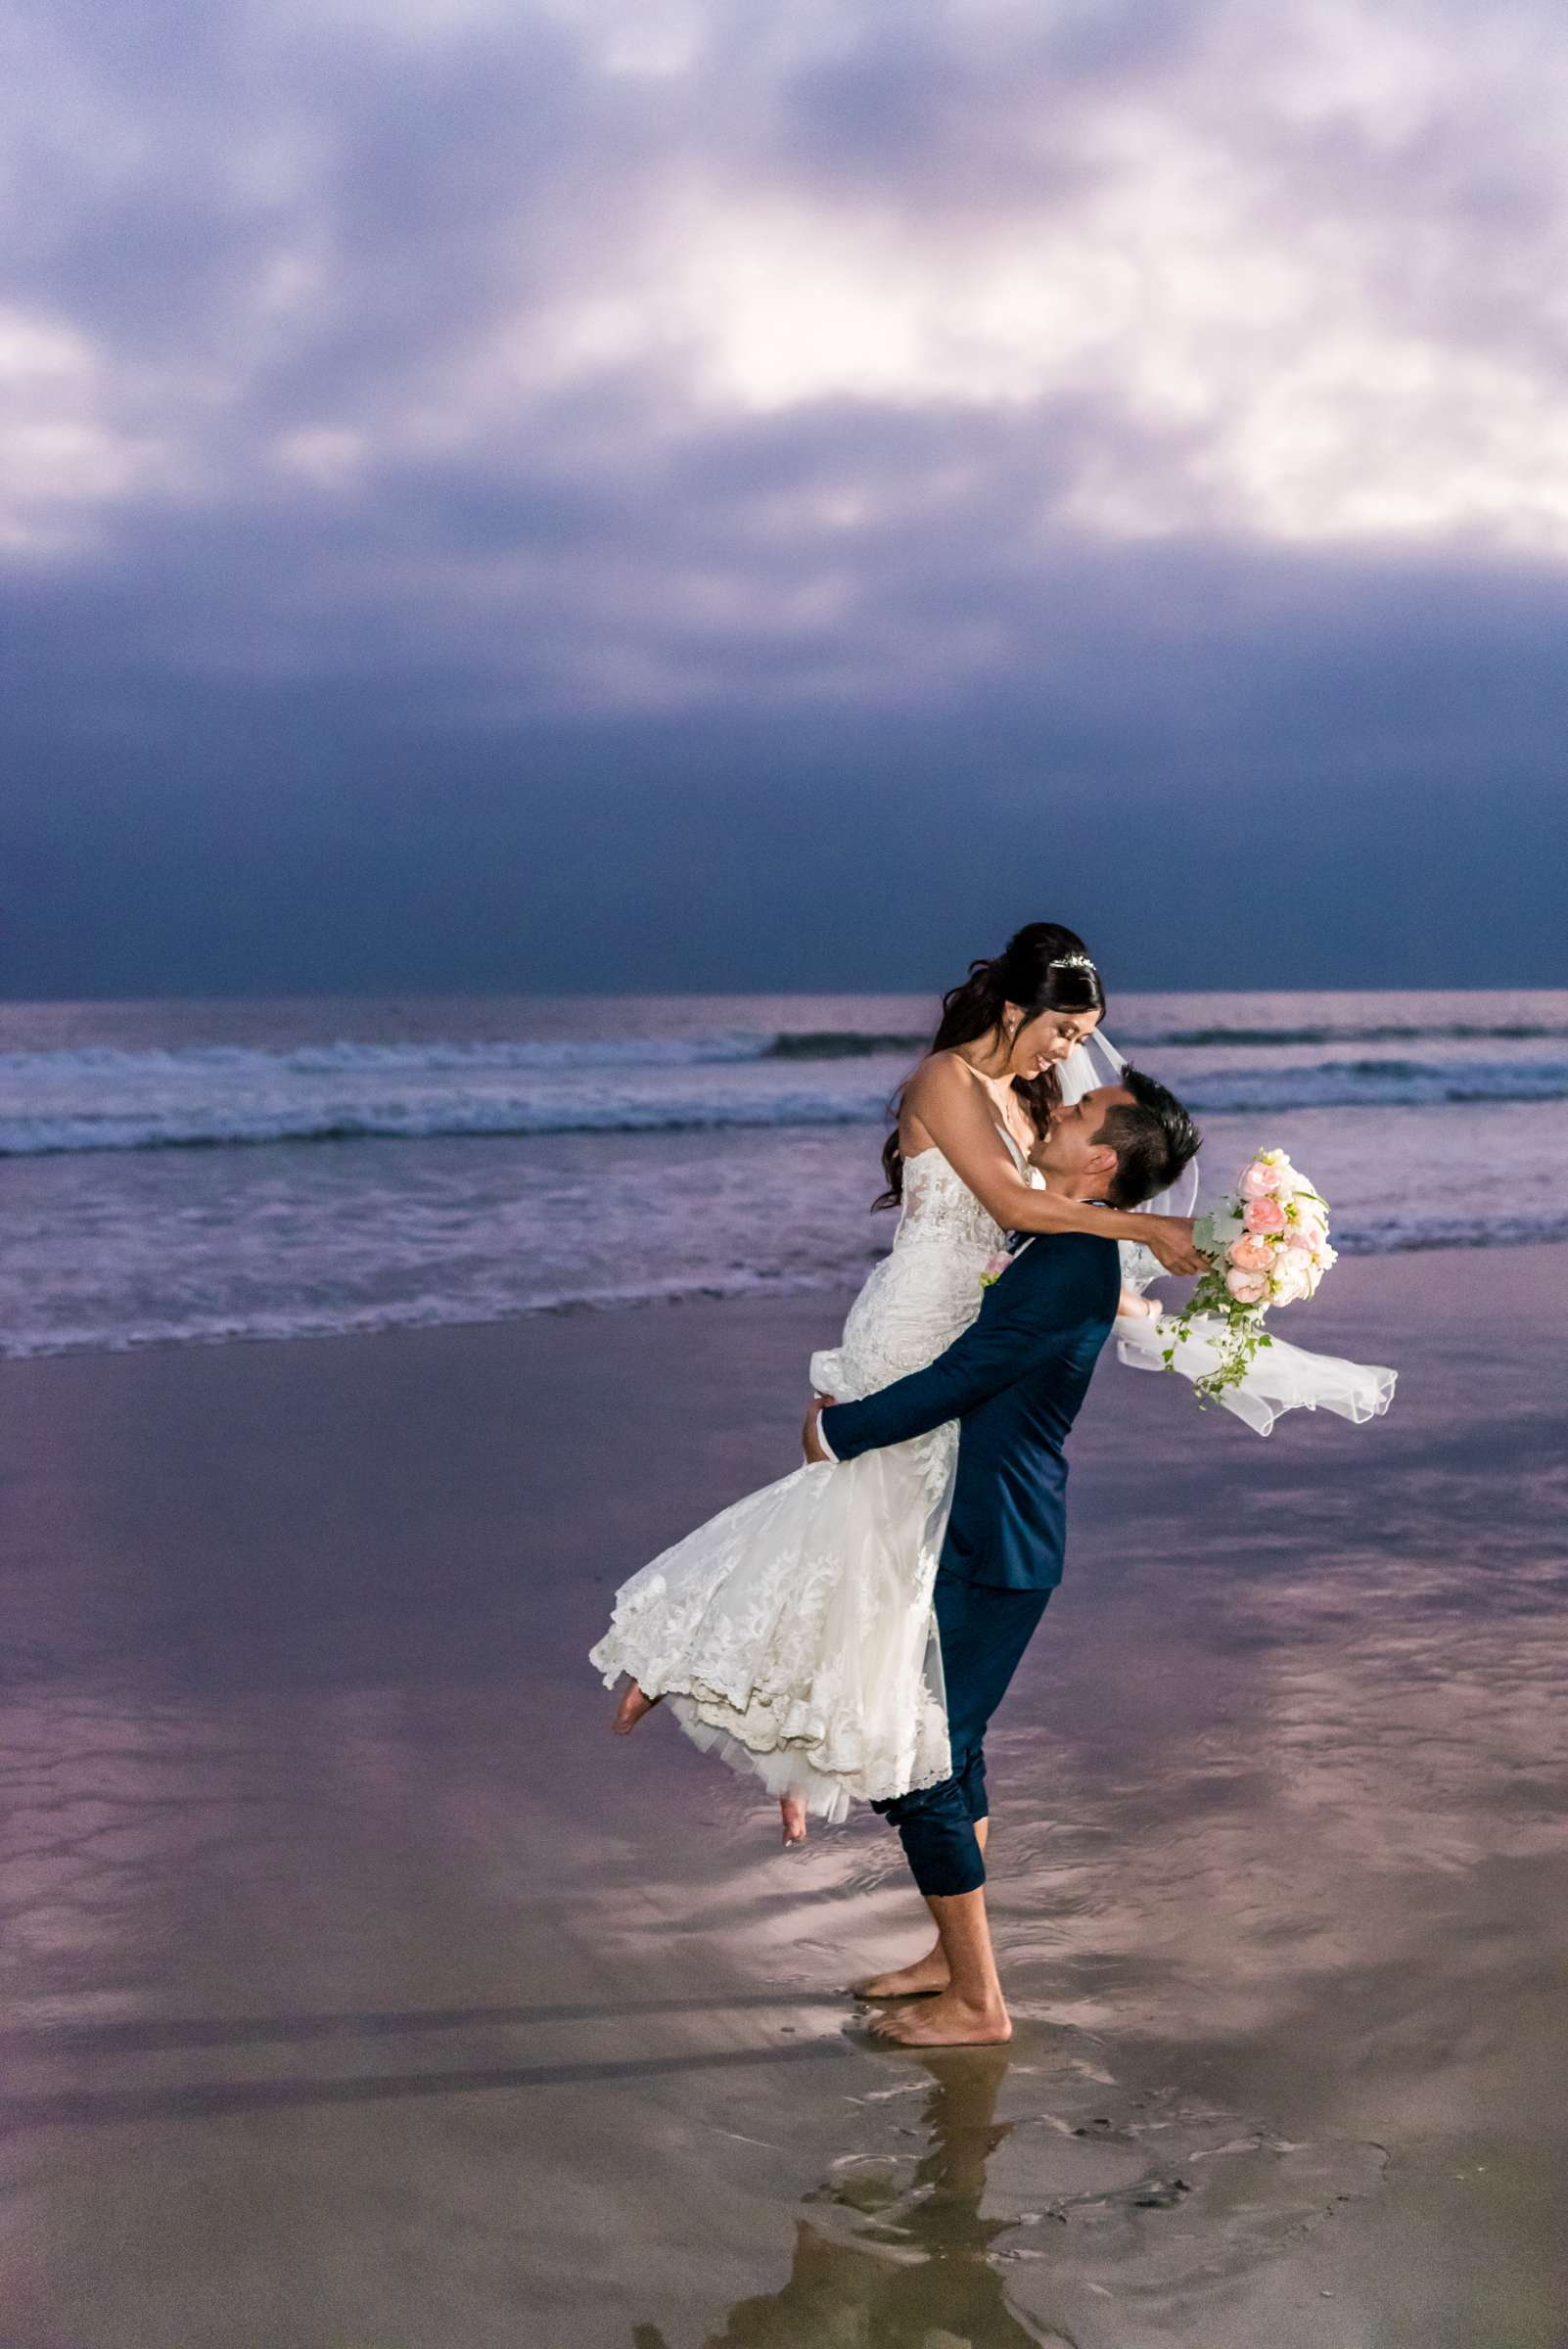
[
  {"x": 915, "y": 2269},
  {"x": 1029, "y": 2196},
  {"x": 343, "y": 1956}
]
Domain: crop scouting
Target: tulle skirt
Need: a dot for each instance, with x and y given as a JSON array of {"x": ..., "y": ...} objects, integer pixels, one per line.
[{"x": 793, "y": 1633}]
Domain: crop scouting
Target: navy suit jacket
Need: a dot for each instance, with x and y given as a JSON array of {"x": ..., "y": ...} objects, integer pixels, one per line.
[{"x": 1015, "y": 1380}]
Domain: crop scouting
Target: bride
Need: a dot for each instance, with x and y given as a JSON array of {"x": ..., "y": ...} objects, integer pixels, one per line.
[{"x": 790, "y": 1632}]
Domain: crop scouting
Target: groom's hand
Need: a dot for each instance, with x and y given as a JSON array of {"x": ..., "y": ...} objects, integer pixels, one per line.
[{"x": 811, "y": 1441}]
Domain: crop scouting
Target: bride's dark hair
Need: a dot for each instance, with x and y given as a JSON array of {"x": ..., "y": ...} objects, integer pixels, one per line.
[{"x": 1031, "y": 971}]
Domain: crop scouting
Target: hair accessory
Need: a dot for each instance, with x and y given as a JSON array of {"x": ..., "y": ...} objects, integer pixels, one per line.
[{"x": 1071, "y": 962}]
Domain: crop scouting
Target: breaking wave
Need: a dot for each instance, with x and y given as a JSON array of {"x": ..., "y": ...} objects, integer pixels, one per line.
[{"x": 219, "y": 1098}]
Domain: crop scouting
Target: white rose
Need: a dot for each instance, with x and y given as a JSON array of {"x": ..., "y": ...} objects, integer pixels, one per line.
[{"x": 1289, "y": 1278}]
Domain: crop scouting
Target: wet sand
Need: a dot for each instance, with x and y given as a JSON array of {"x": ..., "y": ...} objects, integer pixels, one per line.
[{"x": 361, "y": 1993}]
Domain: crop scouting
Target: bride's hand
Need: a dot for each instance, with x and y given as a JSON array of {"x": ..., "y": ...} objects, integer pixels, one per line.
[
  {"x": 1171, "y": 1239},
  {"x": 1134, "y": 1308}
]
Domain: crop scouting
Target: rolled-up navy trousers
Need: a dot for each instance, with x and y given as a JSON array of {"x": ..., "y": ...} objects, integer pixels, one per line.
[{"x": 984, "y": 1633}]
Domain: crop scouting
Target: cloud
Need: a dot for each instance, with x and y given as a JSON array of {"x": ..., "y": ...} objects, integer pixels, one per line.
[
  {"x": 1303, "y": 269},
  {"x": 1124, "y": 383}
]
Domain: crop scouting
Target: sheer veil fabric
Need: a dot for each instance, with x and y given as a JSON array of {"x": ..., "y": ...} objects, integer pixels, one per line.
[{"x": 1282, "y": 1377}]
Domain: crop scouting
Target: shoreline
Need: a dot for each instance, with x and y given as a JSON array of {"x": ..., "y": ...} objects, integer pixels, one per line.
[
  {"x": 359, "y": 1986},
  {"x": 835, "y": 1294}
]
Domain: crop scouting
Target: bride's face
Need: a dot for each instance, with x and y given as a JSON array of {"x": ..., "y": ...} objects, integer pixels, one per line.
[{"x": 1042, "y": 1043}]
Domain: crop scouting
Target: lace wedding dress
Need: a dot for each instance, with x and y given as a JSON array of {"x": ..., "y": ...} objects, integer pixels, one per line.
[{"x": 793, "y": 1632}]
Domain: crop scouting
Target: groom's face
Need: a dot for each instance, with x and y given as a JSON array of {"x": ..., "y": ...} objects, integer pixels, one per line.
[{"x": 1069, "y": 1158}]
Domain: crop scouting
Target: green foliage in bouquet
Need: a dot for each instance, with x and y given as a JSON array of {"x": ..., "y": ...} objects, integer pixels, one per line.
[
  {"x": 1241, "y": 1333},
  {"x": 1270, "y": 1238}
]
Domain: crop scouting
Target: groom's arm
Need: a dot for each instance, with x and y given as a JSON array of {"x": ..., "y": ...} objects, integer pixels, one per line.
[{"x": 1055, "y": 1283}]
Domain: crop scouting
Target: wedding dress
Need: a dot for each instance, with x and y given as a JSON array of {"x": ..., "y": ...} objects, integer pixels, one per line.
[{"x": 792, "y": 1634}]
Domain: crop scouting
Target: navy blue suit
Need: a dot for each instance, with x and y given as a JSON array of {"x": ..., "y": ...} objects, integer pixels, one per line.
[{"x": 1015, "y": 1381}]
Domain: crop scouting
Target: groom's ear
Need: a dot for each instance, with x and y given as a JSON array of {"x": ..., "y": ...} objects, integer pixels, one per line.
[{"x": 1101, "y": 1161}]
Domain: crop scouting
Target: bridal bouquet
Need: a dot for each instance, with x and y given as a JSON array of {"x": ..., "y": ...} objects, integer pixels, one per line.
[{"x": 1266, "y": 1244}]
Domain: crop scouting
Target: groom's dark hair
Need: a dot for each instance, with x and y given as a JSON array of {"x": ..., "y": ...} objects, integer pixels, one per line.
[{"x": 1153, "y": 1137}]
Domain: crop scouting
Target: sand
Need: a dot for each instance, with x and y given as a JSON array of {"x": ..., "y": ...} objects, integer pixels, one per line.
[{"x": 361, "y": 1993}]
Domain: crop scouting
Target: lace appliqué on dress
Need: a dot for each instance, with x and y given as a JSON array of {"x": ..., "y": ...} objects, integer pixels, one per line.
[{"x": 793, "y": 1633}]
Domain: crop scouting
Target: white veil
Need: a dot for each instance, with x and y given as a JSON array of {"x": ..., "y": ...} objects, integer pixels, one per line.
[
  {"x": 1095, "y": 1062},
  {"x": 1282, "y": 1377}
]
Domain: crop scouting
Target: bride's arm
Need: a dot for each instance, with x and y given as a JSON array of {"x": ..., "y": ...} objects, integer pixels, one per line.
[{"x": 953, "y": 1111}]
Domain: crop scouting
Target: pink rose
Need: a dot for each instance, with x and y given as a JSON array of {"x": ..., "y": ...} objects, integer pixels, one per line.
[
  {"x": 1249, "y": 1254},
  {"x": 1247, "y": 1288},
  {"x": 1265, "y": 1214},
  {"x": 1260, "y": 1182},
  {"x": 1304, "y": 1237}
]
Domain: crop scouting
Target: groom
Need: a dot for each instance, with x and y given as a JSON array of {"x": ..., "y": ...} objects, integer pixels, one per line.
[{"x": 1014, "y": 1381}]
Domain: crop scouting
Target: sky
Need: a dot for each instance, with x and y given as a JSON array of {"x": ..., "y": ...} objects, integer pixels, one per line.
[{"x": 701, "y": 494}]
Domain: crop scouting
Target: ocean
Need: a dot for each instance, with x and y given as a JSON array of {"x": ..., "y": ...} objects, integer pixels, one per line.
[{"x": 186, "y": 1171}]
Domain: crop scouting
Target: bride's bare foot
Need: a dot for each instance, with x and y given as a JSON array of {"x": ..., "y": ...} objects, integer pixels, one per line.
[
  {"x": 922, "y": 1980},
  {"x": 631, "y": 1708},
  {"x": 792, "y": 1812},
  {"x": 945, "y": 2022}
]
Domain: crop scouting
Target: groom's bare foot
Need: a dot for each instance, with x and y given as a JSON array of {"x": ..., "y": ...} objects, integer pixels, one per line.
[
  {"x": 922, "y": 1980},
  {"x": 631, "y": 1708},
  {"x": 792, "y": 1813},
  {"x": 945, "y": 2022}
]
